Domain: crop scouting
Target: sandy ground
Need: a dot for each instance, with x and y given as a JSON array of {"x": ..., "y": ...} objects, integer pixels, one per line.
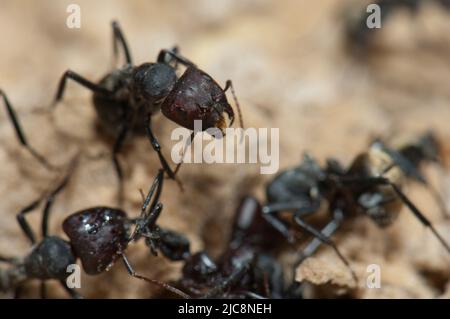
[{"x": 290, "y": 70}]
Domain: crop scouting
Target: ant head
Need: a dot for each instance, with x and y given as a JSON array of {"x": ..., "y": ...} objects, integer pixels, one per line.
[
  {"x": 196, "y": 96},
  {"x": 98, "y": 236},
  {"x": 49, "y": 259},
  {"x": 174, "y": 245},
  {"x": 199, "y": 267},
  {"x": 153, "y": 81}
]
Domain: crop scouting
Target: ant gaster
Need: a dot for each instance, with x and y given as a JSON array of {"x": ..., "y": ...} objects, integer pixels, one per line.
[
  {"x": 126, "y": 98},
  {"x": 371, "y": 185},
  {"x": 98, "y": 236}
]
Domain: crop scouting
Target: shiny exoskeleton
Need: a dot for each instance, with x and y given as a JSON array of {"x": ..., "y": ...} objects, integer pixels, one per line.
[
  {"x": 127, "y": 98},
  {"x": 371, "y": 185},
  {"x": 359, "y": 36},
  {"x": 98, "y": 236},
  {"x": 20, "y": 132},
  {"x": 248, "y": 267}
]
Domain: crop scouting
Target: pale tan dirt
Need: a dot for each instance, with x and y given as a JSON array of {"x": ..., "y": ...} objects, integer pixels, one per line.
[{"x": 290, "y": 71}]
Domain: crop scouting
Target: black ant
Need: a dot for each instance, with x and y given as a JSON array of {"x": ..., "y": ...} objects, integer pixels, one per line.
[
  {"x": 371, "y": 186},
  {"x": 20, "y": 133},
  {"x": 359, "y": 36},
  {"x": 98, "y": 236},
  {"x": 246, "y": 269},
  {"x": 126, "y": 98}
]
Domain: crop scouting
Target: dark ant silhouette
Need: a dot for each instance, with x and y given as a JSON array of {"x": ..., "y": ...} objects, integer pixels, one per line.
[
  {"x": 359, "y": 36},
  {"x": 126, "y": 98},
  {"x": 98, "y": 236},
  {"x": 20, "y": 132},
  {"x": 371, "y": 186},
  {"x": 246, "y": 269}
]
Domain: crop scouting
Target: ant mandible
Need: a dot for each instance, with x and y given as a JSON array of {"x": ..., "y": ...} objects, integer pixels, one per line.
[
  {"x": 371, "y": 185},
  {"x": 126, "y": 98},
  {"x": 98, "y": 236}
]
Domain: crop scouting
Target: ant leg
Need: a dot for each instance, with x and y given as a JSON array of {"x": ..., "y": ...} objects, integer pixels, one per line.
[
  {"x": 252, "y": 295},
  {"x": 283, "y": 206},
  {"x": 156, "y": 185},
  {"x": 162, "y": 57},
  {"x": 412, "y": 208},
  {"x": 80, "y": 80},
  {"x": 49, "y": 203},
  {"x": 119, "y": 37},
  {"x": 20, "y": 134},
  {"x": 43, "y": 290},
  {"x": 157, "y": 147},
  {"x": 411, "y": 170},
  {"x": 231, "y": 280},
  {"x": 229, "y": 110},
  {"x": 327, "y": 231},
  {"x": 118, "y": 168},
  {"x": 146, "y": 222},
  {"x": 273, "y": 208},
  {"x": 327, "y": 241},
  {"x": 188, "y": 142},
  {"x": 73, "y": 294},
  {"x": 24, "y": 224},
  {"x": 152, "y": 281}
]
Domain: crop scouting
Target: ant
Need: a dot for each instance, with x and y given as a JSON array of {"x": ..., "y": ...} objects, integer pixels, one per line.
[
  {"x": 20, "y": 133},
  {"x": 371, "y": 185},
  {"x": 359, "y": 35},
  {"x": 98, "y": 236},
  {"x": 246, "y": 269},
  {"x": 126, "y": 98}
]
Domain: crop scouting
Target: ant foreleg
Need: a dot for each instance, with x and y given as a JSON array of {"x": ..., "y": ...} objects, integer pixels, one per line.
[
  {"x": 157, "y": 186},
  {"x": 157, "y": 148},
  {"x": 117, "y": 167}
]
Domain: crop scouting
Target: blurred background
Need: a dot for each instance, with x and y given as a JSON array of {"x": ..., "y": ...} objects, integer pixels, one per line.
[{"x": 292, "y": 67}]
